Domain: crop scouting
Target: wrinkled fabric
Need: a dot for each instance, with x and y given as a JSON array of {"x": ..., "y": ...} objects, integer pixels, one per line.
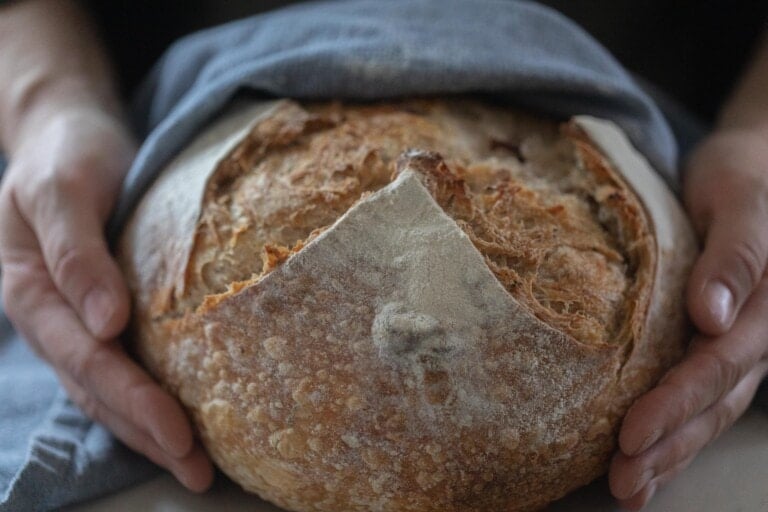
[
  {"x": 50, "y": 454},
  {"x": 367, "y": 49}
]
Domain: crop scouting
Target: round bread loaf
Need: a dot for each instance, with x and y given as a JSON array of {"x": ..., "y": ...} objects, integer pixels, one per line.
[{"x": 425, "y": 305}]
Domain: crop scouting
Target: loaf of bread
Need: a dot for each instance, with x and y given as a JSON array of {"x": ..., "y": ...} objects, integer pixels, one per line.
[{"x": 423, "y": 305}]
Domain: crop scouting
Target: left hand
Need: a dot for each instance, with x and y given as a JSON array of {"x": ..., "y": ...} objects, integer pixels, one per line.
[
  {"x": 726, "y": 195},
  {"x": 65, "y": 294}
]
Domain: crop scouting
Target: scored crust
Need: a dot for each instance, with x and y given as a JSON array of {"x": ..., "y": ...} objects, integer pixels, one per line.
[{"x": 355, "y": 326}]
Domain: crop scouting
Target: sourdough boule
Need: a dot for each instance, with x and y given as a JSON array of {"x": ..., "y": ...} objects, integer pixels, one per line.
[{"x": 422, "y": 305}]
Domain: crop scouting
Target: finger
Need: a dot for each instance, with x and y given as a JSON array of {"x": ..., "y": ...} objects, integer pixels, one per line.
[
  {"x": 69, "y": 227},
  {"x": 17, "y": 280},
  {"x": 128, "y": 400},
  {"x": 640, "y": 499},
  {"x": 710, "y": 370},
  {"x": 83, "y": 263},
  {"x": 193, "y": 470},
  {"x": 731, "y": 265},
  {"x": 116, "y": 381},
  {"x": 144, "y": 416},
  {"x": 43, "y": 317},
  {"x": 24, "y": 281},
  {"x": 629, "y": 475},
  {"x": 646, "y": 494}
]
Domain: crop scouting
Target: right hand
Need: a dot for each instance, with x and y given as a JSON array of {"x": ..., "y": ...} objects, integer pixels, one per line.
[
  {"x": 726, "y": 191},
  {"x": 65, "y": 294}
]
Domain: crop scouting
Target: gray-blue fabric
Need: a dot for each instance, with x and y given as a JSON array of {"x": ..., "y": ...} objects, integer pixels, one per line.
[
  {"x": 516, "y": 51},
  {"x": 368, "y": 49}
]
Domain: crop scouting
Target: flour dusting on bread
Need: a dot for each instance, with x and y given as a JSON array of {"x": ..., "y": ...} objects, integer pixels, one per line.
[{"x": 417, "y": 305}]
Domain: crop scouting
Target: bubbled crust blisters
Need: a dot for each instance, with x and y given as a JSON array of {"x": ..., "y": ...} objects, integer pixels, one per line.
[{"x": 402, "y": 359}]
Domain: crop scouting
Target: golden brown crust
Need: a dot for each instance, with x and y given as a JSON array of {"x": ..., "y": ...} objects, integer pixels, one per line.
[
  {"x": 551, "y": 250},
  {"x": 654, "y": 345},
  {"x": 465, "y": 337},
  {"x": 300, "y": 170}
]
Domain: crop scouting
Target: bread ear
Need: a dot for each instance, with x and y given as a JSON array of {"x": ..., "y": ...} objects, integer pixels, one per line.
[
  {"x": 675, "y": 249},
  {"x": 156, "y": 244}
]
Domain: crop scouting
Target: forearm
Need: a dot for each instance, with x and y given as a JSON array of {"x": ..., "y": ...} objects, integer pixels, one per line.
[
  {"x": 747, "y": 108},
  {"x": 51, "y": 59}
]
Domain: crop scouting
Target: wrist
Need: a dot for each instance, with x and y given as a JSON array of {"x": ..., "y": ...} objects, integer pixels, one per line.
[
  {"x": 52, "y": 59},
  {"x": 39, "y": 100}
]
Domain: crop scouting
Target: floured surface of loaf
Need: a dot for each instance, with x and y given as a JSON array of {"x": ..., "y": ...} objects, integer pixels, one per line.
[
  {"x": 515, "y": 185},
  {"x": 427, "y": 305}
]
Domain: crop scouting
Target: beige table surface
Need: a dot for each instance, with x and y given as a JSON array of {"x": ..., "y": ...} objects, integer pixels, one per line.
[{"x": 730, "y": 475}]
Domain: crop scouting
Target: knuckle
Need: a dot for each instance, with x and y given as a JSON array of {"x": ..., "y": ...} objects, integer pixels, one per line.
[
  {"x": 62, "y": 181},
  {"x": 750, "y": 258},
  {"x": 681, "y": 400},
  {"x": 690, "y": 405},
  {"x": 89, "y": 405},
  {"x": 69, "y": 260},
  {"x": 725, "y": 370},
  {"x": 82, "y": 365}
]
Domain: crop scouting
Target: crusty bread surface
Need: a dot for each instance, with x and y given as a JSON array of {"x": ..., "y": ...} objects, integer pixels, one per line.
[{"x": 421, "y": 305}]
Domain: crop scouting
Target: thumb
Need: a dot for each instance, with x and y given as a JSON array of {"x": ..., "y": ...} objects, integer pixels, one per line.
[
  {"x": 731, "y": 265},
  {"x": 69, "y": 229},
  {"x": 63, "y": 184}
]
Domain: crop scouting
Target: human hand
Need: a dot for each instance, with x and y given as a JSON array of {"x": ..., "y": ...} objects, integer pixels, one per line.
[
  {"x": 726, "y": 195},
  {"x": 65, "y": 294}
]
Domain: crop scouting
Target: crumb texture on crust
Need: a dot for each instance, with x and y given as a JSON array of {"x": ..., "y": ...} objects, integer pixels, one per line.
[
  {"x": 547, "y": 228},
  {"x": 406, "y": 362},
  {"x": 426, "y": 305}
]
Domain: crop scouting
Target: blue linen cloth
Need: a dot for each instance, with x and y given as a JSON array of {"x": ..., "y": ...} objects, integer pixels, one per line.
[
  {"x": 50, "y": 454},
  {"x": 368, "y": 49}
]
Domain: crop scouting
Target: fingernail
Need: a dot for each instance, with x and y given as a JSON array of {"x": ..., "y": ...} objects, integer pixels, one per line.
[
  {"x": 649, "y": 441},
  {"x": 720, "y": 300},
  {"x": 98, "y": 310},
  {"x": 651, "y": 490}
]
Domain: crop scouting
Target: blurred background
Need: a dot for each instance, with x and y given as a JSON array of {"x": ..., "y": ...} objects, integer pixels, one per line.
[{"x": 691, "y": 49}]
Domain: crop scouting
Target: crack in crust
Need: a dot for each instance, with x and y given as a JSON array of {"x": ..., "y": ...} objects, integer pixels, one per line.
[
  {"x": 487, "y": 367},
  {"x": 561, "y": 248}
]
